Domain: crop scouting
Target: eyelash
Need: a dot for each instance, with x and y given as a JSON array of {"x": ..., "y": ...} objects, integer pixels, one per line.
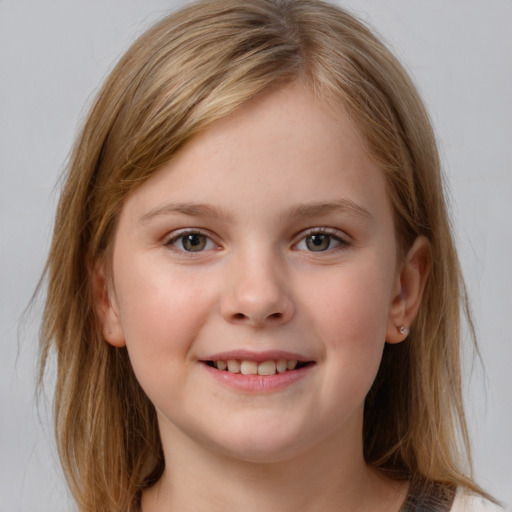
[
  {"x": 209, "y": 243},
  {"x": 332, "y": 234},
  {"x": 175, "y": 237}
]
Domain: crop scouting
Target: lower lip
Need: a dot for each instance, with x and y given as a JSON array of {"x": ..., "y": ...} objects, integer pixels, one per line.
[{"x": 259, "y": 383}]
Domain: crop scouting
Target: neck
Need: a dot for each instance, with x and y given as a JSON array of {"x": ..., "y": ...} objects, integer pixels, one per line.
[{"x": 322, "y": 479}]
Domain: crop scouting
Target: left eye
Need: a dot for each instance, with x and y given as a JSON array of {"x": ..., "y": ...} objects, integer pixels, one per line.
[
  {"x": 319, "y": 242},
  {"x": 192, "y": 242}
]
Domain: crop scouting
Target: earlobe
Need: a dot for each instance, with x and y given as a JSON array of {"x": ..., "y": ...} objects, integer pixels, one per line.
[
  {"x": 408, "y": 291},
  {"x": 105, "y": 307}
]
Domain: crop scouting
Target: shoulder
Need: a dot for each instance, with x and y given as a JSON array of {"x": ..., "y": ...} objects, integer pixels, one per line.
[{"x": 467, "y": 502}]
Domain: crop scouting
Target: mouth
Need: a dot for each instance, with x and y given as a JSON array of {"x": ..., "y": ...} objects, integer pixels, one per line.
[{"x": 263, "y": 368}]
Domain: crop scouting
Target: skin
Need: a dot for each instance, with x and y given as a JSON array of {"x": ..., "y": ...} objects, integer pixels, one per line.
[{"x": 260, "y": 176}]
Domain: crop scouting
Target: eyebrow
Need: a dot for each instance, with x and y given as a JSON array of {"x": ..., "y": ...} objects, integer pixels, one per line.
[
  {"x": 324, "y": 208},
  {"x": 191, "y": 209},
  {"x": 301, "y": 210}
]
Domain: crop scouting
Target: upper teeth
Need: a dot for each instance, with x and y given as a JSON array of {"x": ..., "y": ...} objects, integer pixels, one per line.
[{"x": 246, "y": 367}]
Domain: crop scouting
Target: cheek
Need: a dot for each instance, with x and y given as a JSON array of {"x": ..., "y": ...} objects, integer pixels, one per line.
[
  {"x": 350, "y": 315},
  {"x": 352, "y": 306},
  {"x": 161, "y": 311}
]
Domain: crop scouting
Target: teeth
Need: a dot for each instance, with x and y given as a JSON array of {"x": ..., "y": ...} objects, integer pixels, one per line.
[
  {"x": 290, "y": 365},
  {"x": 281, "y": 366},
  {"x": 246, "y": 367},
  {"x": 233, "y": 366},
  {"x": 249, "y": 368},
  {"x": 267, "y": 368}
]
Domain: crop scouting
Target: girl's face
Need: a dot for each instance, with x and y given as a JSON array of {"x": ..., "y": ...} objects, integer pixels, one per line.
[{"x": 267, "y": 242}]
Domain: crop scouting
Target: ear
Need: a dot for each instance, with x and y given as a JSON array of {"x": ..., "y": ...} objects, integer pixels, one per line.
[
  {"x": 106, "y": 307},
  {"x": 408, "y": 290}
]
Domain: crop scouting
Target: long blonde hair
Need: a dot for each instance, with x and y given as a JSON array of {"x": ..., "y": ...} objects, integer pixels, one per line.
[{"x": 188, "y": 71}]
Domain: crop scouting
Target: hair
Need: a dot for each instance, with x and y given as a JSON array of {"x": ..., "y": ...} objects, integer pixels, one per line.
[{"x": 188, "y": 71}]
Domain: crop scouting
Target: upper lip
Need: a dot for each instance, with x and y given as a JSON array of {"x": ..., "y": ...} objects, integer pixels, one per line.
[{"x": 259, "y": 357}]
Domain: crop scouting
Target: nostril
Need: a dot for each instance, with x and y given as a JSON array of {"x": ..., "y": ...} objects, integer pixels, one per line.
[{"x": 272, "y": 316}]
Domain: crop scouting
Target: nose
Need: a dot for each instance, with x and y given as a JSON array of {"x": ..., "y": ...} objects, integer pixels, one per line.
[{"x": 257, "y": 293}]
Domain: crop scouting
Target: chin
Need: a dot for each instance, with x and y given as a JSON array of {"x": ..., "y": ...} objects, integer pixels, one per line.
[{"x": 264, "y": 446}]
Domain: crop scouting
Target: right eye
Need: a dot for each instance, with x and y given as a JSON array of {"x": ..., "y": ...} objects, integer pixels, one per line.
[{"x": 191, "y": 241}]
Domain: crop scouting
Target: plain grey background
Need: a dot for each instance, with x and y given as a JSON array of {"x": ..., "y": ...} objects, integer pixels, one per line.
[{"x": 54, "y": 54}]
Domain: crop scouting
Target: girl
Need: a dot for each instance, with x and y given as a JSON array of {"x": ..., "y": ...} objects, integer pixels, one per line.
[{"x": 253, "y": 291}]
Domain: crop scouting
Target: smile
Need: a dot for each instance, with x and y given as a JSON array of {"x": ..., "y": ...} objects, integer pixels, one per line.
[{"x": 250, "y": 367}]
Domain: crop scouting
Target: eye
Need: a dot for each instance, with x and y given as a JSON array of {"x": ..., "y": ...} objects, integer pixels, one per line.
[
  {"x": 191, "y": 241},
  {"x": 320, "y": 241}
]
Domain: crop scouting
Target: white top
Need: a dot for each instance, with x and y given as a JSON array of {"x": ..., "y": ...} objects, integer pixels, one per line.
[{"x": 465, "y": 502}]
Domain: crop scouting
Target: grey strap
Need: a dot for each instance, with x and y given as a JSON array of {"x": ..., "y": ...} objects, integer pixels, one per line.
[{"x": 428, "y": 497}]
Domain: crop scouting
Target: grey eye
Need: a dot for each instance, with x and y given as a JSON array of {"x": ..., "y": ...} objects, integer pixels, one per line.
[
  {"x": 191, "y": 242},
  {"x": 194, "y": 242},
  {"x": 318, "y": 242}
]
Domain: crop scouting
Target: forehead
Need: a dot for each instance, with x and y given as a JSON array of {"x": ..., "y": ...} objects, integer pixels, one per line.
[{"x": 283, "y": 148}]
